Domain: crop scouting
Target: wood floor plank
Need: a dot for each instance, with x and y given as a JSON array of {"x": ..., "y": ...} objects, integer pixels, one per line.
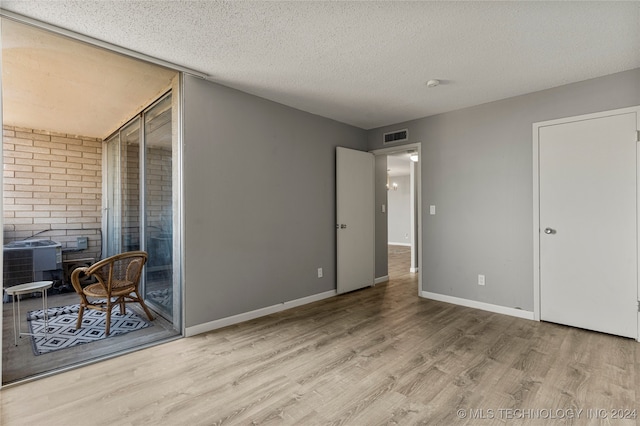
[{"x": 377, "y": 356}]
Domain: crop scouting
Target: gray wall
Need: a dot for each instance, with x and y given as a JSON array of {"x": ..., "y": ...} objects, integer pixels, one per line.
[
  {"x": 477, "y": 169},
  {"x": 382, "y": 269},
  {"x": 259, "y": 201},
  {"x": 399, "y": 223}
]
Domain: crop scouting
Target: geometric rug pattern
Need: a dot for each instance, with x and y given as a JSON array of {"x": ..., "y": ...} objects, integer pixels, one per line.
[
  {"x": 62, "y": 333},
  {"x": 162, "y": 297}
]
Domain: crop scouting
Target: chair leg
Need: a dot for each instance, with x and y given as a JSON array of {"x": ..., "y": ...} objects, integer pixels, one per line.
[
  {"x": 144, "y": 306},
  {"x": 107, "y": 326},
  {"x": 80, "y": 313}
]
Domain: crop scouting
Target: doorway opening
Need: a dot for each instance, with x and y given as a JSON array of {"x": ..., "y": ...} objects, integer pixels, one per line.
[
  {"x": 398, "y": 210},
  {"x": 401, "y": 205}
]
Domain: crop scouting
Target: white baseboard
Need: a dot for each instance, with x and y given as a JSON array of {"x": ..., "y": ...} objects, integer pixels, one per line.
[
  {"x": 413, "y": 270},
  {"x": 478, "y": 305},
  {"x": 399, "y": 244},
  {"x": 235, "y": 319},
  {"x": 379, "y": 280}
]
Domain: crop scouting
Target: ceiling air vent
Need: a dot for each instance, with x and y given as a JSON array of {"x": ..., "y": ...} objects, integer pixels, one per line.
[{"x": 397, "y": 136}]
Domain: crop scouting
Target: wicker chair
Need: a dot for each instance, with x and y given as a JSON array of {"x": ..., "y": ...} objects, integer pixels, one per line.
[{"x": 118, "y": 281}]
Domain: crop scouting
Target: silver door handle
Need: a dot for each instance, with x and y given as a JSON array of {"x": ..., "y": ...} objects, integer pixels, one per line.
[{"x": 549, "y": 231}]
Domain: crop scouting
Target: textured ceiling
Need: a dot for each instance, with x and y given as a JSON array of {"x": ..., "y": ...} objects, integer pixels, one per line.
[{"x": 366, "y": 63}]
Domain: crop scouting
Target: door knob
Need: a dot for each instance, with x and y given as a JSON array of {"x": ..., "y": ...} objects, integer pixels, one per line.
[{"x": 549, "y": 231}]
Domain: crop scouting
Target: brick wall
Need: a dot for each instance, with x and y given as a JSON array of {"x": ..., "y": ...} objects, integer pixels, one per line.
[
  {"x": 52, "y": 188},
  {"x": 159, "y": 194},
  {"x": 159, "y": 205},
  {"x": 130, "y": 196}
]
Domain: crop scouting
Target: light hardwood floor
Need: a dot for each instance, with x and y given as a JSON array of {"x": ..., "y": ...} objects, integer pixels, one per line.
[{"x": 376, "y": 356}]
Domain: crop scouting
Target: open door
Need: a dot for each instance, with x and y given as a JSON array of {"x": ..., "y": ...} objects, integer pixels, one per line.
[{"x": 355, "y": 228}]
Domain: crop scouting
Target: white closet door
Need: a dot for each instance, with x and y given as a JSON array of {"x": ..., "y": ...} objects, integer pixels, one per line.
[{"x": 588, "y": 247}]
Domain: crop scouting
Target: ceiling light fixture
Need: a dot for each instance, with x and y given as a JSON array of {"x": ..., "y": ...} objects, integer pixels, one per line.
[{"x": 433, "y": 83}]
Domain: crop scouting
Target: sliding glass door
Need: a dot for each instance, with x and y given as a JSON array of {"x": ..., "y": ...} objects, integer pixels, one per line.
[
  {"x": 140, "y": 199},
  {"x": 158, "y": 206},
  {"x": 112, "y": 221},
  {"x": 123, "y": 190}
]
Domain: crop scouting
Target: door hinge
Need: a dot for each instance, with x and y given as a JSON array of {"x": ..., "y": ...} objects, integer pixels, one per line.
[
  {"x": 638, "y": 305},
  {"x": 637, "y": 135}
]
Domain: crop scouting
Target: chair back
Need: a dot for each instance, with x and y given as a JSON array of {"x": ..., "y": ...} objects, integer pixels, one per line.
[{"x": 120, "y": 270}]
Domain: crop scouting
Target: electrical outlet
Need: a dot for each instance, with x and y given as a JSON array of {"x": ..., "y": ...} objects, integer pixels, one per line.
[
  {"x": 320, "y": 273},
  {"x": 480, "y": 279}
]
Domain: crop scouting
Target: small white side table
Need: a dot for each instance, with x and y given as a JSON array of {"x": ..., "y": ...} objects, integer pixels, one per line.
[{"x": 16, "y": 291}]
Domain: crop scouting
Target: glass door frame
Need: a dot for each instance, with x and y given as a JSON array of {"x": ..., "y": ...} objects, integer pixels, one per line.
[
  {"x": 145, "y": 235},
  {"x": 176, "y": 316}
]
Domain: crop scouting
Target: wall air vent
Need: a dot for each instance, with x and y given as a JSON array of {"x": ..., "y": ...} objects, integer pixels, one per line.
[{"x": 397, "y": 136}]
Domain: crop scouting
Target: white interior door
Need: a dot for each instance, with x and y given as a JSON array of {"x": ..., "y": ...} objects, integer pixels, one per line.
[
  {"x": 588, "y": 221},
  {"x": 355, "y": 227}
]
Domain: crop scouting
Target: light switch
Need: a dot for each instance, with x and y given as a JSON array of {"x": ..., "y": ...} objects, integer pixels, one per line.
[{"x": 432, "y": 210}]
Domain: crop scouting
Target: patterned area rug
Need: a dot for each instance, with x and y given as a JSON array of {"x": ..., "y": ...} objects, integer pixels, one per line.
[
  {"x": 62, "y": 333},
  {"x": 162, "y": 297}
]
